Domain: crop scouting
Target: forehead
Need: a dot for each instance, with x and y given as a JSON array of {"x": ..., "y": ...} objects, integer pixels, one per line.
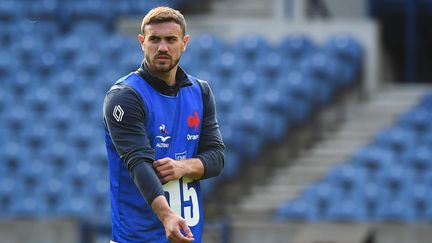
[{"x": 163, "y": 29}]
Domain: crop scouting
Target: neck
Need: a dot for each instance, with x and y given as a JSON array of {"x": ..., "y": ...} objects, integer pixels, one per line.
[{"x": 167, "y": 77}]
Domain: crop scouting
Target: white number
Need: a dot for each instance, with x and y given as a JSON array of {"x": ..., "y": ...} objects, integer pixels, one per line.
[
  {"x": 191, "y": 213},
  {"x": 174, "y": 189}
]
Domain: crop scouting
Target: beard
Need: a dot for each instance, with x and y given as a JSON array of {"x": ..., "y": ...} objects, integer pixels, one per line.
[{"x": 161, "y": 66}]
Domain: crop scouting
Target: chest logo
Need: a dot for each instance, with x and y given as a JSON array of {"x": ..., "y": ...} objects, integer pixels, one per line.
[
  {"x": 164, "y": 139},
  {"x": 194, "y": 121}
]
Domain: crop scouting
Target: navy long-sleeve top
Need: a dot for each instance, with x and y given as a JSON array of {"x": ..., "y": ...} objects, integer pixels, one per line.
[{"x": 130, "y": 136}]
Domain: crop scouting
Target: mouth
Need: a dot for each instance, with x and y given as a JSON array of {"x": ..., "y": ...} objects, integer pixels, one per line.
[{"x": 162, "y": 57}]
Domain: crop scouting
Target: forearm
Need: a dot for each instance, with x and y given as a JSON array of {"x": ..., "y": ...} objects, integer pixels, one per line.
[
  {"x": 147, "y": 181},
  {"x": 161, "y": 208},
  {"x": 194, "y": 168},
  {"x": 213, "y": 161}
]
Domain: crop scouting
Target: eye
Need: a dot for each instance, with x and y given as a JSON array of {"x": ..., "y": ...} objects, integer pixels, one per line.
[
  {"x": 154, "y": 39},
  {"x": 171, "y": 39}
]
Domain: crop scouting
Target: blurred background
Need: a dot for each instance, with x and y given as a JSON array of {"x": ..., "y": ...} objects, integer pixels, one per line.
[{"x": 324, "y": 105}]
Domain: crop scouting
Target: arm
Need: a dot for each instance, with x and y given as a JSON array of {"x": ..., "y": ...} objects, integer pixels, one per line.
[
  {"x": 173, "y": 223},
  {"x": 130, "y": 139},
  {"x": 211, "y": 149}
]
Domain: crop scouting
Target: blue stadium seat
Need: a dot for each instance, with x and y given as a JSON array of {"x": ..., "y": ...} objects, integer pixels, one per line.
[
  {"x": 417, "y": 119},
  {"x": 396, "y": 182},
  {"x": 232, "y": 163},
  {"x": 321, "y": 70},
  {"x": 372, "y": 200},
  {"x": 250, "y": 48},
  {"x": 44, "y": 10},
  {"x": 204, "y": 48},
  {"x": 249, "y": 84},
  {"x": 8, "y": 63},
  {"x": 277, "y": 109},
  {"x": 294, "y": 49},
  {"x": 420, "y": 201},
  {"x": 426, "y": 101},
  {"x": 295, "y": 210},
  {"x": 399, "y": 139},
  {"x": 67, "y": 47},
  {"x": 10, "y": 10},
  {"x": 86, "y": 10},
  {"x": 320, "y": 197},
  {"x": 347, "y": 210},
  {"x": 348, "y": 54},
  {"x": 271, "y": 66},
  {"x": 34, "y": 136},
  {"x": 298, "y": 87},
  {"x": 223, "y": 67},
  {"x": 348, "y": 180},
  {"x": 375, "y": 160},
  {"x": 250, "y": 127},
  {"x": 419, "y": 161}
]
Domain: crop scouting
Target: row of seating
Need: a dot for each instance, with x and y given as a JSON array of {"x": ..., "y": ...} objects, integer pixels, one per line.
[
  {"x": 54, "y": 80},
  {"x": 386, "y": 180},
  {"x": 67, "y": 12}
]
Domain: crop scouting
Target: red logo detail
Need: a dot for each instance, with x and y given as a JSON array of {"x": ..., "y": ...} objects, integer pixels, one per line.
[{"x": 194, "y": 121}]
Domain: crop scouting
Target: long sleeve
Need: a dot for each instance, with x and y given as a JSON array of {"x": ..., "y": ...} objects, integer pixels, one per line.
[
  {"x": 211, "y": 149},
  {"x": 124, "y": 116}
]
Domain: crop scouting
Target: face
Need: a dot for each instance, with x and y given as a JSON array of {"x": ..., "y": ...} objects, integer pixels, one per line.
[{"x": 163, "y": 44}]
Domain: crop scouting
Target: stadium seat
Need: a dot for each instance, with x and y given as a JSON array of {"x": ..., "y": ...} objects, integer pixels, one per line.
[
  {"x": 294, "y": 49},
  {"x": 348, "y": 180},
  {"x": 347, "y": 210},
  {"x": 321, "y": 70},
  {"x": 295, "y": 210},
  {"x": 271, "y": 66},
  {"x": 10, "y": 10},
  {"x": 375, "y": 160},
  {"x": 419, "y": 161},
  {"x": 300, "y": 89},
  {"x": 277, "y": 109},
  {"x": 417, "y": 119},
  {"x": 232, "y": 163},
  {"x": 44, "y": 10},
  {"x": 346, "y": 51},
  {"x": 399, "y": 139},
  {"x": 320, "y": 197},
  {"x": 250, "y": 48}
]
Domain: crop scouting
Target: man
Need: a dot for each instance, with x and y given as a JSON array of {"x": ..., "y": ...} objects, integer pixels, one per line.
[{"x": 162, "y": 137}]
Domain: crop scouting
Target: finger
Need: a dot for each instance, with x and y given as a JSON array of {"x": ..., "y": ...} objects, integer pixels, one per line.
[
  {"x": 167, "y": 166},
  {"x": 163, "y": 173},
  {"x": 166, "y": 179},
  {"x": 181, "y": 238},
  {"x": 186, "y": 230},
  {"x": 160, "y": 162}
]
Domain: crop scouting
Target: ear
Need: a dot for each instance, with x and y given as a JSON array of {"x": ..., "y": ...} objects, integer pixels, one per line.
[
  {"x": 185, "y": 41},
  {"x": 141, "y": 41}
]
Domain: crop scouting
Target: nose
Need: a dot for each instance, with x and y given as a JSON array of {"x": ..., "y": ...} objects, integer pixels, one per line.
[{"x": 163, "y": 46}]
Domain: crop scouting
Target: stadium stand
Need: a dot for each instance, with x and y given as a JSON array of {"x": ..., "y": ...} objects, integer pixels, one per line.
[
  {"x": 385, "y": 181},
  {"x": 59, "y": 129},
  {"x": 50, "y": 104}
]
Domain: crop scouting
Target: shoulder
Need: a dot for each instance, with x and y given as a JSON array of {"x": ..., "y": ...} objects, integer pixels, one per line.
[
  {"x": 122, "y": 91},
  {"x": 121, "y": 95},
  {"x": 203, "y": 84}
]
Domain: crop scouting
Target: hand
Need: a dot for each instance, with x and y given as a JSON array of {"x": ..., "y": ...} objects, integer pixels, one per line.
[
  {"x": 168, "y": 169},
  {"x": 174, "y": 225}
]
